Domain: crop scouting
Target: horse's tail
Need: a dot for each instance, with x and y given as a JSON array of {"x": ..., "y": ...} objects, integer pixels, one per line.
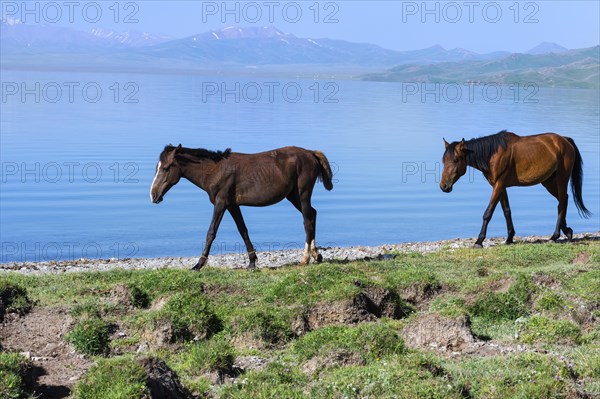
[
  {"x": 325, "y": 174},
  {"x": 577, "y": 182}
]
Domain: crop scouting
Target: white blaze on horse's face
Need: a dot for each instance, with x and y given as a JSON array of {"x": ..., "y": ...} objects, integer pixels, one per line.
[{"x": 152, "y": 190}]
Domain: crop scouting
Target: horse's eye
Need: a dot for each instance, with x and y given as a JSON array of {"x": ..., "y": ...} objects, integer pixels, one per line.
[{"x": 455, "y": 160}]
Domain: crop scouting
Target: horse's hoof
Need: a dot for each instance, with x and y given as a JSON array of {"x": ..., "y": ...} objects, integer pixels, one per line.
[
  {"x": 569, "y": 234},
  {"x": 509, "y": 241},
  {"x": 554, "y": 237},
  {"x": 477, "y": 246},
  {"x": 319, "y": 258},
  {"x": 199, "y": 265}
]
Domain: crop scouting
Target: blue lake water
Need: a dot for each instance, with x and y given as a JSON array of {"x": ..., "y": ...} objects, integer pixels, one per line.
[{"x": 76, "y": 170}]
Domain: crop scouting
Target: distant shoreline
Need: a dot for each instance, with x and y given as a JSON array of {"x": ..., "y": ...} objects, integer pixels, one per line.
[{"x": 269, "y": 259}]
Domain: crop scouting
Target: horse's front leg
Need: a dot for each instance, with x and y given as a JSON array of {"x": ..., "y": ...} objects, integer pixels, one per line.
[
  {"x": 487, "y": 215},
  {"x": 218, "y": 212},
  {"x": 507, "y": 215},
  {"x": 236, "y": 213}
]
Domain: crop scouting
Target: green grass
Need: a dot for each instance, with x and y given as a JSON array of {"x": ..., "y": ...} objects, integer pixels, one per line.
[
  {"x": 13, "y": 368},
  {"x": 13, "y": 299},
  {"x": 372, "y": 341},
  {"x": 525, "y": 375},
  {"x": 118, "y": 378},
  {"x": 191, "y": 315},
  {"x": 278, "y": 380},
  {"x": 218, "y": 315},
  {"x": 410, "y": 376},
  {"x": 216, "y": 354},
  {"x": 551, "y": 302},
  {"x": 270, "y": 325},
  {"x": 543, "y": 329},
  {"x": 91, "y": 336}
]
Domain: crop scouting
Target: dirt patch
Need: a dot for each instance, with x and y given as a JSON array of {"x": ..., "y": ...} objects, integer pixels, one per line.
[
  {"x": 335, "y": 359},
  {"x": 247, "y": 340},
  {"x": 420, "y": 294},
  {"x": 582, "y": 258},
  {"x": 500, "y": 285},
  {"x": 372, "y": 303},
  {"x": 159, "y": 336},
  {"x": 300, "y": 324},
  {"x": 159, "y": 303},
  {"x": 384, "y": 303},
  {"x": 162, "y": 381},
  {"x": 546, "y": 281},
  {"x": 39, "y": 335},
  {"x": 352, "y": 311},
  {"x": 128, "y": 298},
  {"x": 435, "y": 331}
]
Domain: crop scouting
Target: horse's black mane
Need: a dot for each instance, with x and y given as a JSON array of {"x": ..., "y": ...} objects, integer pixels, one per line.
[
  {"x": 481, "y": 149},
  {"x": 199, "y": 153}
]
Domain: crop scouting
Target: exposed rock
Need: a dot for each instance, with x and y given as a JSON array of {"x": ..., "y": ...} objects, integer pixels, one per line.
[
  {"x": 266, "y": 258},
  {"x": 248, "y": 363}
]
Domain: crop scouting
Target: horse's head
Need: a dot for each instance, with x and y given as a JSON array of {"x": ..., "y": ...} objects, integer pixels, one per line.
[
  {"x": 455, "y": 164},
  {"x": 167, "y": 173}
]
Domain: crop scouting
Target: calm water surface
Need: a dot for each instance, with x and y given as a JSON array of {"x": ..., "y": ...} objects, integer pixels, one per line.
[{"x": 76, "y": 173}]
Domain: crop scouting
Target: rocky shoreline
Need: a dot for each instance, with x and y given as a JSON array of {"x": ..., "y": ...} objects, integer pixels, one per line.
[{"x": 269, "y": 259}]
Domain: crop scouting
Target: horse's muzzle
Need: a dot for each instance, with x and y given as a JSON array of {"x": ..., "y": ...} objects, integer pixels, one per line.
[
  {"x": 446, "y": 187},
  {"x": 156, "y": 199}
]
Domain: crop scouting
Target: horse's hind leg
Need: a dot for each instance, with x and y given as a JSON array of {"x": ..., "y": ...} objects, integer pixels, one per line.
[
  {"x": 559, "y": 191},
  {"x": 236, "y": 213},
  {"x": 313, "y": 246},
  {"x": 507, "y": 215}
]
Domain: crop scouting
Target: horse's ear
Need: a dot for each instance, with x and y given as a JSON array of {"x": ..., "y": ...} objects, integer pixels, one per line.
[
  {"x": 178, "y": 149},
  {"x": 460, "y": 146},
  {"x": 446, "y": 143}
]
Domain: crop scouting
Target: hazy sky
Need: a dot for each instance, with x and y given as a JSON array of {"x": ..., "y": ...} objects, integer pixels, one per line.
[{"x": 480, "y": 26}]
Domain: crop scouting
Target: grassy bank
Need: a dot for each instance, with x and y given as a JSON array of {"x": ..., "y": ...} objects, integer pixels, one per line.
[{"x": 511, "y": 321}]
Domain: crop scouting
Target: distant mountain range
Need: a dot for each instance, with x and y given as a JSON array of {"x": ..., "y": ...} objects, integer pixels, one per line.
[
  {"x": 53, "y": 47},
  {"x": 20, "y": 38},
  {"x": 547, "y": 48},
  {"x": 231, "y": 45},
  {"x": 570, "y": 68}
]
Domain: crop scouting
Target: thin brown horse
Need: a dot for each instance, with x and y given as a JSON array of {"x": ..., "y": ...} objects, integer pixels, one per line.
[
  {"x": 506, "y": 160},
  {"x": 233, "y": 179}
]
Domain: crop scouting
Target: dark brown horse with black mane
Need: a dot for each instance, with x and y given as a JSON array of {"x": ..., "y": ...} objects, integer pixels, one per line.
[
  {"x": 506, "y": 160},
  {"x": 232, "y": 179}
]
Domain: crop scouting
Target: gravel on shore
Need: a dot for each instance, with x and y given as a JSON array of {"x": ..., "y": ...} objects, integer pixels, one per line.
[{"x": 270, "y": 259}]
